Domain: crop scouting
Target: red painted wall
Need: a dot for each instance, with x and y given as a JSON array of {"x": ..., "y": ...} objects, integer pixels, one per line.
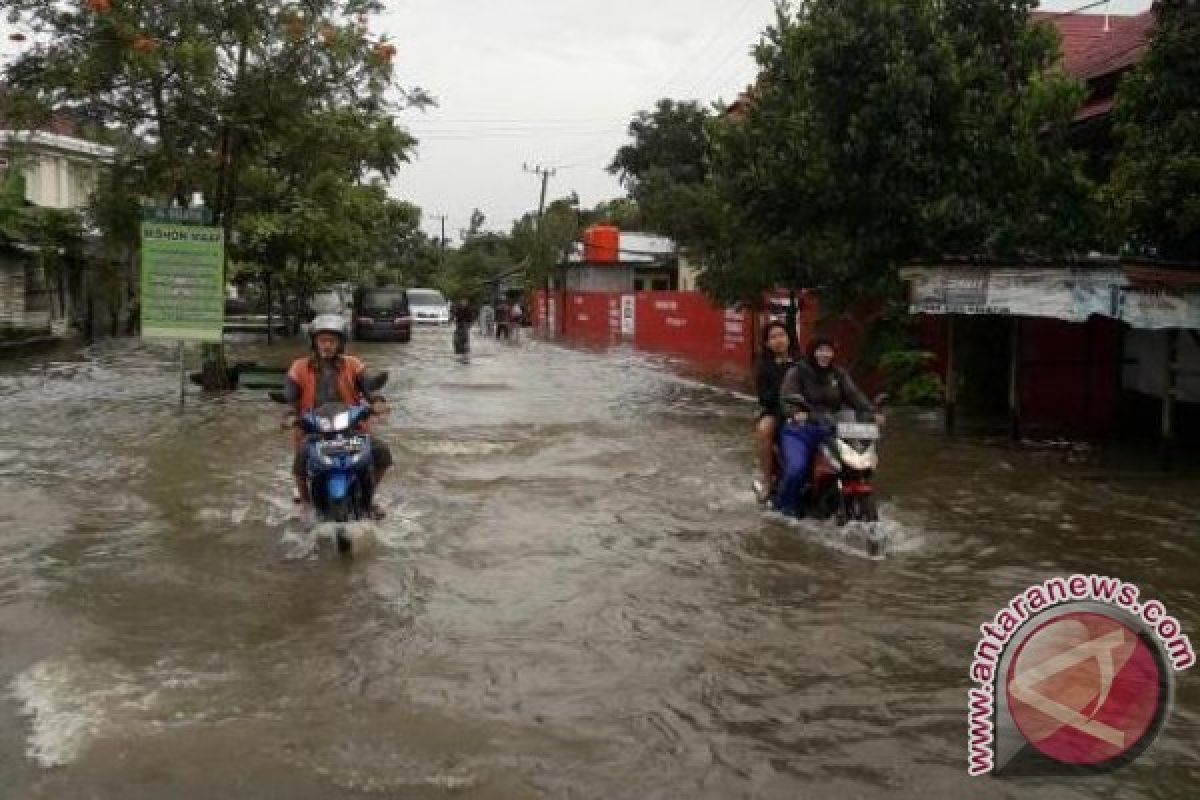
[
  {"x": 588, "y": 316},
  {"x": 1069, "y": 371},
  {"x": 1069, "y": 374},
  {"x": 687, "y": 324}
]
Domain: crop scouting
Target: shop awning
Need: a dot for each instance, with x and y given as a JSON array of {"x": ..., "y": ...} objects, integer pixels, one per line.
[{"x": 1068, "y": 293}]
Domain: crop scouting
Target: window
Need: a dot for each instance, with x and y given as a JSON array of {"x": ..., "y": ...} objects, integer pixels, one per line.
[
  {"x": 425, "y": 297},
  {"x": 383, "y": 300}
]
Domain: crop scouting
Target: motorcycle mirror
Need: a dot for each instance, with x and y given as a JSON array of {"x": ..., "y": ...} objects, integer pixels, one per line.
[
  {"x": 375, "y": 381},
  {"x": 277, "y": 396}
]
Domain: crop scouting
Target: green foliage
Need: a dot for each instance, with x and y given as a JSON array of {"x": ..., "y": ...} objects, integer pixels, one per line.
[
  {"x": 1153, "y": 201},
  {"x": 623, "y": 212},
  {"x": 482, "y": 258},
  {"x": 879, "y": 131},
  {"x": 912, "y": 378},
  {"x": 669, "y": 139},
  {"x": 281, "y": 113},
  {"x": 56, "y": 235},
  {"x": 542, "y": 245}
]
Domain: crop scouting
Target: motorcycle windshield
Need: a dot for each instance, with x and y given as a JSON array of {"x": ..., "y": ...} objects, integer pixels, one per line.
[{"x": 334, "y": 418}]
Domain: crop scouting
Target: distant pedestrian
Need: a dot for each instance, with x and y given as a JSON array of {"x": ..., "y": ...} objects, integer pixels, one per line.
[
  {"x": 504, "y": 320},
  {"x": 464, "y": 317}
]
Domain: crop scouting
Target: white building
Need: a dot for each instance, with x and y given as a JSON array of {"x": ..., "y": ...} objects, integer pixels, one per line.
[{"x": 60, "y": 171}]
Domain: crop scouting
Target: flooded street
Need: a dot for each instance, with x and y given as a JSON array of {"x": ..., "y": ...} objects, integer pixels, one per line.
[{"x": 572, "y": 595}]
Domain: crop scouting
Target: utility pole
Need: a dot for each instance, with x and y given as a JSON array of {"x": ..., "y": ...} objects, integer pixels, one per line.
[
  {"x": 545, "y": 174},
  {"x": 442, "y": 242}
]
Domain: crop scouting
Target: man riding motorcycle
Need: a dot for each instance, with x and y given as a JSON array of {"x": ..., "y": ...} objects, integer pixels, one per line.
[
  {"x": 810, "y": 388},
  {"x": 328, "y": 375}
]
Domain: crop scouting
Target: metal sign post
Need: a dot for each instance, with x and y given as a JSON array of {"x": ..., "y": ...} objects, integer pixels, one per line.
[{"x": 182, "y": 378}]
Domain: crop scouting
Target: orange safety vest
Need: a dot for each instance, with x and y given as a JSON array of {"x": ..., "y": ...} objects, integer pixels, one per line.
[{"x": 303, "y": 373}]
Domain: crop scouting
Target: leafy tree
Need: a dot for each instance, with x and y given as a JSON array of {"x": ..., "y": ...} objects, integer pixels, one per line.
[
  {"x": 1153, "y": 201},
  {"x": 670, "y": 139},
  {"x": 879, "y": 131},
  {"x": 475, "y": 226},
  {"x": 483, "y": 256},
  {"x": 280, "y": 112},
  {"x": 207, "y": 96},
  {"x": 950, "y": 137},
  {"x": 623, "y": 212},
  {"x": 661, "y": 168},
  {"x": 543, "y": 244}
]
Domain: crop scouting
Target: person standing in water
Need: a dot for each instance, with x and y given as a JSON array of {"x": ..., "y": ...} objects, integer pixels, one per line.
[{"x": 464, "y": 317}]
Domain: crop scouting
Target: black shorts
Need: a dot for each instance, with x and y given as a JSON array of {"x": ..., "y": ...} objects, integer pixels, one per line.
[{"x": 379, "y": 450}]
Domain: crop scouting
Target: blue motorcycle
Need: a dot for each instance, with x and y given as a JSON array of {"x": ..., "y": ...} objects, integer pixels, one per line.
[{"x": 339, "y": 464}]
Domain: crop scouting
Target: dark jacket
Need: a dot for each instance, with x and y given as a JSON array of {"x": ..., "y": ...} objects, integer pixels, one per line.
[
  {"x": 824, "y": 390},
  {"x": 464, "y": 317},
  {"x": 768, "y": 379}
]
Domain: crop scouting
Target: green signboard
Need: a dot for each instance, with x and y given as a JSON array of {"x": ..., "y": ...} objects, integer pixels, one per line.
[
  {"x": 174, "y": 215},
  {"x": 183, "y": 296}
]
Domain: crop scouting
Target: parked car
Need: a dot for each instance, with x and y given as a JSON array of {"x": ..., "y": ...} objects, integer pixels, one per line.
[
  {"x": 382, "y": 314},
  {"x": 247, "y": 316},
  {"x": 429, "y": 307}
]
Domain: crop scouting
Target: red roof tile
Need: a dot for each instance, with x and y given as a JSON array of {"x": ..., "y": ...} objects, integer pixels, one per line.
[
  {"x": 1100, "y": 44},
  {"x": 1096, "y": 108}
]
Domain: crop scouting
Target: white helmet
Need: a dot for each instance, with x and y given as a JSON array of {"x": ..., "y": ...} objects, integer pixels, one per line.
[{"x": 328, "y": 323}]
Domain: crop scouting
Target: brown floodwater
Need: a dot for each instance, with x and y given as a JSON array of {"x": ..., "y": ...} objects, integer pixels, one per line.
[{"x": 572, "y": 595}]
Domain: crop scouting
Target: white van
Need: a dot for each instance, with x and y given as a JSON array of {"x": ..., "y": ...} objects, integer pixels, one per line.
[{"x": 428, "y": 307}]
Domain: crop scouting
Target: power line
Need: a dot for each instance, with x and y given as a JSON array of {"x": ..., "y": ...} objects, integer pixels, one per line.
[
  {"x": 468, "y": 136},
  {"x": 720, "y": 29},
  {"x": 516, "y": 128},
  {"x": 705, "y": 85},
  {"x": 529, "y": 120},
  {"x": 1080, "y": 10}
]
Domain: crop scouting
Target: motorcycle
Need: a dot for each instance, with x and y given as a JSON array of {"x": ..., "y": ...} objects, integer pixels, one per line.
[
  {"x": 338, "y": 458},
  {"x": 842, "y": 471}
]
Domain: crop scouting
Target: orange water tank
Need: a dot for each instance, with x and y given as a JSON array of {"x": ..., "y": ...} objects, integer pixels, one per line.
[{"x": 601, "y": 244}]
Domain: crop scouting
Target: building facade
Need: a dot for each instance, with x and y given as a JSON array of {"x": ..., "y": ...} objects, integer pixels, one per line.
[{"x": 57, "y": 169}]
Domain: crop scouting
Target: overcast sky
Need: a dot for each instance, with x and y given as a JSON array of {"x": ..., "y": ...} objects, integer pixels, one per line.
[{"x": 553, "y": 83}]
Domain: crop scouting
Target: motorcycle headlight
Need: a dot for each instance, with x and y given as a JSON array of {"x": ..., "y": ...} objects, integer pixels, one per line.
[
  {"x": 854, "y": 459},
  {"x": 342, "y": 421}
]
